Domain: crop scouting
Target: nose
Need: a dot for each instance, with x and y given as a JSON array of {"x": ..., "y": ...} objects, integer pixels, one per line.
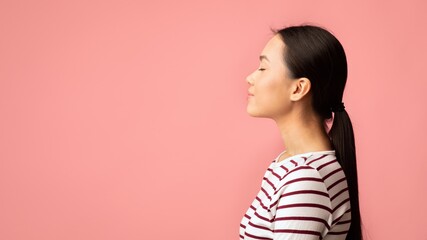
[{"x": 249, "y": 79}]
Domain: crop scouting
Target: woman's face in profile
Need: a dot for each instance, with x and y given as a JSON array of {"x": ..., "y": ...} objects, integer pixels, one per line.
[{"x": 270, "y": 85}]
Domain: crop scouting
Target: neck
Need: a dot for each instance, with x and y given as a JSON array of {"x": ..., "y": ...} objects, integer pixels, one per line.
[{"x": 303, "y": 134}]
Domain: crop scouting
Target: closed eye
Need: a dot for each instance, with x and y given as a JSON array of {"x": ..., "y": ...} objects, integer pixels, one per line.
[{"x": 261, "y": 69}]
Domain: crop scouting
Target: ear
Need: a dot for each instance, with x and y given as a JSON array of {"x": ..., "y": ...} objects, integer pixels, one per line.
[{"x": 300, "y": 88}]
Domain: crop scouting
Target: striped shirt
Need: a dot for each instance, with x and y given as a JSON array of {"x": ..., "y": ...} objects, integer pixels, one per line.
[{"x": 302, "y": 197}]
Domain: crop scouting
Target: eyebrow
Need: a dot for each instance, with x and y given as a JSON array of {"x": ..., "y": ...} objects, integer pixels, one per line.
[{"x": 263, "y": 57}]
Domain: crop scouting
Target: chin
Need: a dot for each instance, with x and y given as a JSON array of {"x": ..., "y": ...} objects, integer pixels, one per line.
[
  {"x": 253, "y": 113},
  {"x": 250, "y": 112}
]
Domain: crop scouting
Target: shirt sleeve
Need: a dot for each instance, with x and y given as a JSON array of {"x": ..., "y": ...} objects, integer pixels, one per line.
[{"x": 303, "y": 209}]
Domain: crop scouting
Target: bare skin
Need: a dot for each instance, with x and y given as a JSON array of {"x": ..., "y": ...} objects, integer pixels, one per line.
[{"x": 274, "y": 95}]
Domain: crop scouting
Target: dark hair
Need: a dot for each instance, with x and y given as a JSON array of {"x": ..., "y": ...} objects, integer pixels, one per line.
[{"x": 314, "y": 53}]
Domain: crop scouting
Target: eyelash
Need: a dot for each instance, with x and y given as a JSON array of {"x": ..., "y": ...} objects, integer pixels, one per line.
[{"x": 261, "y": 69}]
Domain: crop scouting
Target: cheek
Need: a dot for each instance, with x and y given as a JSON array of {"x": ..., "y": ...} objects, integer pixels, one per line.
[
  {"x": 273, "y": 93},
  {"x": 274, "y": 87}
]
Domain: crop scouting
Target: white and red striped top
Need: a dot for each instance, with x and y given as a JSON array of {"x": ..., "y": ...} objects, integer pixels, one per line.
[{"x": 302, "y": 197}]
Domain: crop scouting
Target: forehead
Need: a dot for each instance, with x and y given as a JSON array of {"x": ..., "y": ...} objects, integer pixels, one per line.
[{"x": 274, "y": 48}]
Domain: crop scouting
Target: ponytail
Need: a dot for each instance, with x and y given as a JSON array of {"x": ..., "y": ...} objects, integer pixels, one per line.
[
  {"x": 342, "y": 138},
  {"x": 316, "y": 54}
]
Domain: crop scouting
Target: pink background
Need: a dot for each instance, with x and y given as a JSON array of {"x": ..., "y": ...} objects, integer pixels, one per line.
[{"x": 127, "y": 119}]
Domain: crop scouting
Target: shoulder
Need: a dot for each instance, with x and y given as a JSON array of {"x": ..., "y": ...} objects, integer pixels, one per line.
[
  {"x": 302, "y": 177},
  {"x": 309, "y": 165}
]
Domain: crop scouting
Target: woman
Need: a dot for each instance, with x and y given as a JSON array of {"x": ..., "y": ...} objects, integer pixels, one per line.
[{"x": 310, "y": 190}]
